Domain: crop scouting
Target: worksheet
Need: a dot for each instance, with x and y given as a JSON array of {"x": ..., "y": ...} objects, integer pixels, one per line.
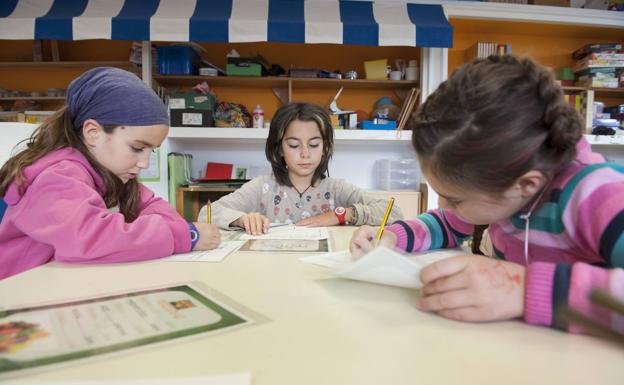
[
  {"x": 215, "y": 255},
  {"x": 289, "y": 245},
  {"x": 382, "y": 265},
  {"x": 291, "y": 232}
]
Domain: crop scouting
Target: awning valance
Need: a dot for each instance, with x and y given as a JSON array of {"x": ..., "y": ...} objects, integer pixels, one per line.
[{"x": 298, "y": 21}]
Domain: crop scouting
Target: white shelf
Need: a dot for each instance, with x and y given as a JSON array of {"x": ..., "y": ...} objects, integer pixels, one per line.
[
  {"x": 254, "y": 134},
  {"x": 534, "y": 13},
  {"x": 260, "y": 134},
  {"x": 605, "y": 140}
]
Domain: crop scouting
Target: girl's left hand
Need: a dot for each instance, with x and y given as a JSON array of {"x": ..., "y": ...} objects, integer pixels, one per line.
[
  {"x": 327, "y": 219},
  {"x": 473, "y": 288}
]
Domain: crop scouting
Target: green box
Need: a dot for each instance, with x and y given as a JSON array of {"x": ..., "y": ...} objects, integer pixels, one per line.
[
  {"x": 565, "y": 73},
  {"x": 243, "y": 69},
  {"x": 191, "y": 99}
]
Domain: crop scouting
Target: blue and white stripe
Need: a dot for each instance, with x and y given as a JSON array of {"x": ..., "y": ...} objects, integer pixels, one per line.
[{"x": 297, "y": 21}]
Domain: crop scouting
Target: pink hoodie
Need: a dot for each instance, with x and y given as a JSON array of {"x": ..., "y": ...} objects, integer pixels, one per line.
[{"x": 61, "y": 215}]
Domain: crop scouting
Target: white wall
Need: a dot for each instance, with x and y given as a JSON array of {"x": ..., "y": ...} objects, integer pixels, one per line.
[
  {"x": 10, "y": 135},
  {"x": 352, "y": 160}
]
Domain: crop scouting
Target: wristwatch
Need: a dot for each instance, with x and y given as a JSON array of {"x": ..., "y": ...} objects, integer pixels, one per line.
[
  {"x": 340, "y": 214},
  {"x": 354, "y": 216},
  {"x": 194, "y": 234}
]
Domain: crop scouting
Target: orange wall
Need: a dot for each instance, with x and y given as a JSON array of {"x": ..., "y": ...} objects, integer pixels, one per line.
[
  {"x": 549, "y": 44},
  {"x": 325, "y": 56},
  {"x": 40, "y": 79}
]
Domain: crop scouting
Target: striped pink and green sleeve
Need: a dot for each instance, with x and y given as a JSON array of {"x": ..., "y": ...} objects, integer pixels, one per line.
[
  {"x": 592, "y": 211},
  {"x": 435, "y": 229}
]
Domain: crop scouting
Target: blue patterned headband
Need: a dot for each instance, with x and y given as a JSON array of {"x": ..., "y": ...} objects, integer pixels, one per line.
[{"x": 113, "y": 96}]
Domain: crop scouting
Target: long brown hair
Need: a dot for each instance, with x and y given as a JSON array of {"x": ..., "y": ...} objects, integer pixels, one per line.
[
  {"x": 285, "y": 115},
  {"x": 494, "y": 120},
  {"x": 58, "y": 132}
]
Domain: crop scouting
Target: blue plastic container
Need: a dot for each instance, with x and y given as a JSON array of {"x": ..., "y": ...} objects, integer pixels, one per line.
[
  {"x": 369, "y": 125},
  {"x": 177, "y": 60}
]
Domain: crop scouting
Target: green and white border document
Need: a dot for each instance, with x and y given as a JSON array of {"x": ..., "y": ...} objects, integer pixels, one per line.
[{"x": 42, "y": 336}]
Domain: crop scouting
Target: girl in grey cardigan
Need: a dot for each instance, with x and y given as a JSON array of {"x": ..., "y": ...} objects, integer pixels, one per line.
[{"x": 299, "y": 147}]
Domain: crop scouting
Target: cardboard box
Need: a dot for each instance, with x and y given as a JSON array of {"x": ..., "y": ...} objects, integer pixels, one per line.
[
  {"x": 34, "y": 117},
  {"x": 376, "y": 69}
]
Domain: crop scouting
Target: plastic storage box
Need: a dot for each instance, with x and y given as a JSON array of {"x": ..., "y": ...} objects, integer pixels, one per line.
[
  {"x": 397, "y": 174},
  {"x": 177, "y": 60},
  {"x": 369, "y": 125}
]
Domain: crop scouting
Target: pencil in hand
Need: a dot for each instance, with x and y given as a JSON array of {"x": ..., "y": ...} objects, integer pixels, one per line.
[
  {"x": 385, "y": 219},
  {"x": 208, "y": 215}
]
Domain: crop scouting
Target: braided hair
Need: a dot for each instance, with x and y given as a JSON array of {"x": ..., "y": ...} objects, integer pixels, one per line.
[{"x": 492, "y": 121}]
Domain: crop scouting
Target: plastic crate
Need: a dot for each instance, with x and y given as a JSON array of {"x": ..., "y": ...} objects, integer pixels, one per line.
[
  {"x": 397, "y": 174},
  {"x": 177, "y": 60}
]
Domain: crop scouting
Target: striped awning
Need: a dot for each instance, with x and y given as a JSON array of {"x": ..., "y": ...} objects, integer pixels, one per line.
[{"x": 396, "y": 23}]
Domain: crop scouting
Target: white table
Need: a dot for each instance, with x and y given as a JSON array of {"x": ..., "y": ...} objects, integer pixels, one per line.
[{"x": 322, "y": 330}]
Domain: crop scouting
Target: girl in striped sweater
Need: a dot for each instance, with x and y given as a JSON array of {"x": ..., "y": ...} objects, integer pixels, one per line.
[{"x": 502, "y": 148}]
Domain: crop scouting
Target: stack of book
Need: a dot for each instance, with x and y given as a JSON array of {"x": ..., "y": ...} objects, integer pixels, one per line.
[
  {"x": 599, "y": 65},
  {"x": 485, "y": 49}
]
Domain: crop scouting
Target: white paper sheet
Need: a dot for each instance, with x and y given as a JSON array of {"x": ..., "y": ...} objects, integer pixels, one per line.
[
  {"x": 292, "y": 232},
  {"x": 225, "y": 379},
  {"x": 215, "y": 255},
  {"x": 382, "y": 265},
  {"x": 335, "y": 260}
]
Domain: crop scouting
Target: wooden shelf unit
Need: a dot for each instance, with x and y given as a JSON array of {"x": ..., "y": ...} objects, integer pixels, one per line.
[
  {"x": 600, "y": 92},
  {"x": 282, "y": 81},
  {"x": 189, "y": 200},
  {"x": 38, "y": 98},
  {"x": 70, "y": 64}
]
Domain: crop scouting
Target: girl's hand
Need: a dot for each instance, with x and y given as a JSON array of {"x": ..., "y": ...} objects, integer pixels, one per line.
[
  {"x": 473, "y": 288},
  {"x": 209, "y": 236},
  {"x": 327, "y": 219},
  {"x": 364, "y": 240},
  {"x": 253, "y": 223}
]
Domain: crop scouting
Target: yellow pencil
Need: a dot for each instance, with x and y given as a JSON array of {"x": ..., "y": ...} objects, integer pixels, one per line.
[
  {"x": 208, "y": 219},
  {"x": 385, "y": 218}
]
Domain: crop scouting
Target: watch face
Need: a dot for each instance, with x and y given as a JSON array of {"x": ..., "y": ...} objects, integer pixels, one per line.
[
  {"x": 194, "y": 235},
  {"x": 340, "y": 210}
]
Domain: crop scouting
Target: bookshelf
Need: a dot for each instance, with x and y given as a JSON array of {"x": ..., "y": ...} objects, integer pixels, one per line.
[{"x": 69, "y": 65}]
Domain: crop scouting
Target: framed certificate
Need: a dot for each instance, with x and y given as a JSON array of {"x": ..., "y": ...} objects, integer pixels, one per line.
[{"x": 41, "y": 336}]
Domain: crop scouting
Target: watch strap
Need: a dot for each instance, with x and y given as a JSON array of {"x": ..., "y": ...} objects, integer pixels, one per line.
[{"x": 194, "y": 234}]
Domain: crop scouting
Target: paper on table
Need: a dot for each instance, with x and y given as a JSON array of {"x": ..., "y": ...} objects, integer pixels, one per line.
[
  {"x": 224, "y": 379},
  {"x": 215, "y": 255},
  {"x": 335, "y": 260},
  {"x": 291, "y": 232},
  {"x": 382, "y": 265}
]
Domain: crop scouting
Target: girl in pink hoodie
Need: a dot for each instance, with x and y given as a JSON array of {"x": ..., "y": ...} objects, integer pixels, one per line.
[{"x": 73, "y": 193}]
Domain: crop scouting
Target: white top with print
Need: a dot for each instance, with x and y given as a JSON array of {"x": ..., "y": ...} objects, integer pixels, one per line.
[{"x": 282, "y": 204}]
